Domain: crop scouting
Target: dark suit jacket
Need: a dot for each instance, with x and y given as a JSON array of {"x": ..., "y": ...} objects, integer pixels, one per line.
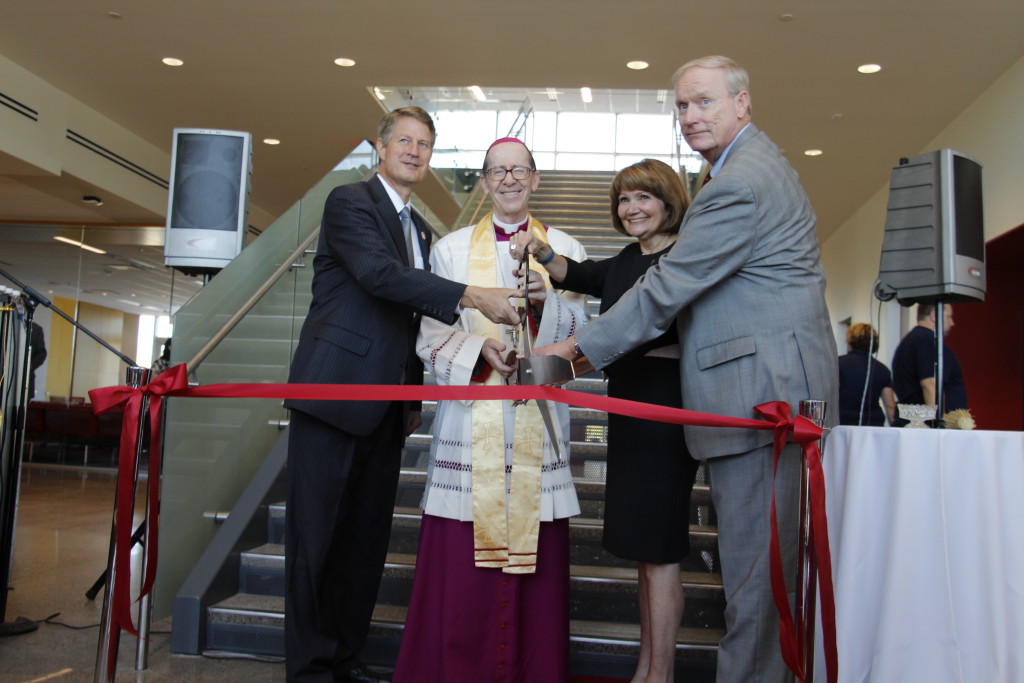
[
  {"x": 362, "y": 322},
  {"x": 745, "y": 288}
]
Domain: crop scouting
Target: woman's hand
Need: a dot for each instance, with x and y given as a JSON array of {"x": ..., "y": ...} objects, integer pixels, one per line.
[
  {"x": 538, "y": 293},
  {"x": 523, "y": 243}
]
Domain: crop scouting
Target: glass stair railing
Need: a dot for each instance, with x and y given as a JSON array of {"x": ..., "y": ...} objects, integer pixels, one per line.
[{"x": 213, "y": 446}]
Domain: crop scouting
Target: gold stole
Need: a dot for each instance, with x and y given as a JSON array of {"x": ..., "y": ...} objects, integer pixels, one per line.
[{"x": 503, "y": 537}]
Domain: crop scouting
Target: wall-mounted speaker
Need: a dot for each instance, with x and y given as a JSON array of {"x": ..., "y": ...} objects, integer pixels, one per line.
[
  {"x": 934, "y": 245},
  {"x": 208, "y": 201}
]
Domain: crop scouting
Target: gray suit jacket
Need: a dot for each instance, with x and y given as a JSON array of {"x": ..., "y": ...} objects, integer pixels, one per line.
[
  {"x": 363, "y": 320},
  {"x": 745, "y": 287}
]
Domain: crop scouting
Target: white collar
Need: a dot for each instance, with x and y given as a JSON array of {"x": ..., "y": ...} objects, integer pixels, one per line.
[{"x": 396, "y": 199}]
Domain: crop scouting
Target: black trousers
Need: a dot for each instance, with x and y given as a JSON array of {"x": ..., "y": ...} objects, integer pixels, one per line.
[{"x": 341, "y": 496}]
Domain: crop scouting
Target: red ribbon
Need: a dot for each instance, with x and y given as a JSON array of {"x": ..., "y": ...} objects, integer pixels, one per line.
[
  {"x": 170, "y": 381},
  {"x": 807, "y": 434},
  {"x": 173, "y": 382}
]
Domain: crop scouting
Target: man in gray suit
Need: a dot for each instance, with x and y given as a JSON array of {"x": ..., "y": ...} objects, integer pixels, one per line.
[
  {"x": 370, "y": 288},
  {"x": 744, "y": 286}
]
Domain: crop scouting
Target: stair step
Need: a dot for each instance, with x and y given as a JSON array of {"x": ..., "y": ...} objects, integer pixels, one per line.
[{"x": 255, "y": 624}]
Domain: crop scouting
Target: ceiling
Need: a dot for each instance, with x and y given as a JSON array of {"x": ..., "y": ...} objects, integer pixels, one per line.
[{"x": 266, "y": 66}]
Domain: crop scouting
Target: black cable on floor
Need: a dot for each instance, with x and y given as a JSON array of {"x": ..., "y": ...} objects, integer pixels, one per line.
[
  {"x": 266, "y": 659},
  {"x": 49, "y": 620}
]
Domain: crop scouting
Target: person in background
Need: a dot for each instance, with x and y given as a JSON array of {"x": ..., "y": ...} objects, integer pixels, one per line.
[
  {"x": 38, "y": 357},
  {"x": 163, "y": 361},
  {"x": 490, "y": 600},
  {"x": 913, "y": 364},
  {"x": 861, "y": 389},
  {"x": 650, "y": 472}
]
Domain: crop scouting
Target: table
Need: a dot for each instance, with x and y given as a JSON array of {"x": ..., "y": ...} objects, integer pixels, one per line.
[{"x": 927, "y": 554}]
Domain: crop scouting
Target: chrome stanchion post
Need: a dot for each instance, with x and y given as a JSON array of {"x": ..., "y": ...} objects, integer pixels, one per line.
[
  {"x": 145, "y": 602},
  {"x": 135, "y": 377},
  {"x": 807, "y": 564}
]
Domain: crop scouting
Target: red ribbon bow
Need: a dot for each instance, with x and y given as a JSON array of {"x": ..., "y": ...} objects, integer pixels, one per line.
[
  {"x": 807, "y": 434},
  {"x": 168, "y": 382}
]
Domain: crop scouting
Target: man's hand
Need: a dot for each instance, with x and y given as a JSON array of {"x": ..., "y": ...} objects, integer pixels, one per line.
[
  {"x": 413, "y": 422},
  {"x": 492, "y": 353},
  {"x": 567, "y": 350},
  {"x": 493, "y": 303}
]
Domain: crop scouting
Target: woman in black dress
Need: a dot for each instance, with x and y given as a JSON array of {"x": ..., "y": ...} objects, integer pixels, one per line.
[{"x": 650, "y": 472}]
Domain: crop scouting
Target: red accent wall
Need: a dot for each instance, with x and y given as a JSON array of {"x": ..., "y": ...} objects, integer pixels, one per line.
[{"x": 988, "y": 338}]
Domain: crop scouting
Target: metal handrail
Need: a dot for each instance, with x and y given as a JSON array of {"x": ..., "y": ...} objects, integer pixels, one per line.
[
  {"x": 255, "y": 297},
  {"x": 249, "y": 303}
]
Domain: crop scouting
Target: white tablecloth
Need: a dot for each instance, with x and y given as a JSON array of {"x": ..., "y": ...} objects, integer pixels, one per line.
[{"x": 927, "y": 535}]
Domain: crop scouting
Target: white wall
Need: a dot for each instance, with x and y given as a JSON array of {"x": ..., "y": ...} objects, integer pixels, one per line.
[{"x": 991, "y": 129}]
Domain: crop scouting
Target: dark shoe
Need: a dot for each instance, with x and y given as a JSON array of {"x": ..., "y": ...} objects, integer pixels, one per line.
[{"x": 363, "y": 674}]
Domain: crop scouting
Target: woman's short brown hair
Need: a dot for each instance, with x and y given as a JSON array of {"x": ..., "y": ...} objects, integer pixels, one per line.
[
  {"x": 861, "y": 337},
  {"x": 657, "y": 178}
]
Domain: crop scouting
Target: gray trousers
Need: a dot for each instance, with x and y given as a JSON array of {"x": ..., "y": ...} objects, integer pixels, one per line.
[{"x": 741, "y": 489}]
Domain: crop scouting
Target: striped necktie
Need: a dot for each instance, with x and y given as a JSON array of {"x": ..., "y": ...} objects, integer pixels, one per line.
[{"x": 406, "y": 219}]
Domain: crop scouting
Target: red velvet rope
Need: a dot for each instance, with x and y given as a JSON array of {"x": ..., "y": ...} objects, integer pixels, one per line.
[{"x": 173, "y": 382}]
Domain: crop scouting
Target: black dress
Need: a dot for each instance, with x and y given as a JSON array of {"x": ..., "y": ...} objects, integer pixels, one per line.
[{"x": 650, "y": 471}]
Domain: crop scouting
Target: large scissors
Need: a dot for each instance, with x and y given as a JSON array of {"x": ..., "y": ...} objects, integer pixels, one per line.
[{"x": 538, "y": 370}]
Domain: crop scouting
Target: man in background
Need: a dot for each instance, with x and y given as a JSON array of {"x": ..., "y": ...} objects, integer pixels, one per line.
[{"x": 913, "y": 364}]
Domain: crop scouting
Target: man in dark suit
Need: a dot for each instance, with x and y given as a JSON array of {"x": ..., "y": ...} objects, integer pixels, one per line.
[
  {"x": 370, "y": 288},
  {"x": 745, "y": 288}
]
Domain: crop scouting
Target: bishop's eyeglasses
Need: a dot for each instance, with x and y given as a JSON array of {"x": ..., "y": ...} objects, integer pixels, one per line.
[{"x": 518, "y": 172}]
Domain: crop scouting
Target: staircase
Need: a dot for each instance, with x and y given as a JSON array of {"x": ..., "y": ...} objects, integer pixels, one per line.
[{"x": 604, "y": 627}]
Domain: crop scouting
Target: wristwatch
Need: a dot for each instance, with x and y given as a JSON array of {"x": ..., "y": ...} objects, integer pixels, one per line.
[{"x": 577, "y": 349}]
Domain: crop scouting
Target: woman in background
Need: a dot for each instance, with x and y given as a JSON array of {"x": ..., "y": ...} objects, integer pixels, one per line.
[{"x": 858, "y": 404}]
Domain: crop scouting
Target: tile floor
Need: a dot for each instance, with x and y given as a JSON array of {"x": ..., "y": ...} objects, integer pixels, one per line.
[{"x": 61, "y": 542}]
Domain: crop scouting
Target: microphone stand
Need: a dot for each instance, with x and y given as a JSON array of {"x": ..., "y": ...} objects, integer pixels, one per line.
[
  {"x": 940, "y": 377},
  {"x": 135, "y": 377},
  {"x": 39, "y": 298},
  {"x": 9, "y": 494}
]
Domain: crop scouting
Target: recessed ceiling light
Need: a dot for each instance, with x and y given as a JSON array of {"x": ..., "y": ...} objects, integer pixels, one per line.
[
  {"x": 78, "y": 244},
  {"x": 586, "y": 95},
  {"x": 637, "y": 64},
  {"x": 271, "y": 141},
  {"x": 93, "y": 200},
  {"x": 869, "y": 68},
  {"x": 478, "y": 92},
  {"x": 345, "y": 61},
  {"x": 786, "y": 16},
  {"x": 172, "y": 61},
  {"x": 114, "y": 15},
  {"x": 813, "y": 152}
]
